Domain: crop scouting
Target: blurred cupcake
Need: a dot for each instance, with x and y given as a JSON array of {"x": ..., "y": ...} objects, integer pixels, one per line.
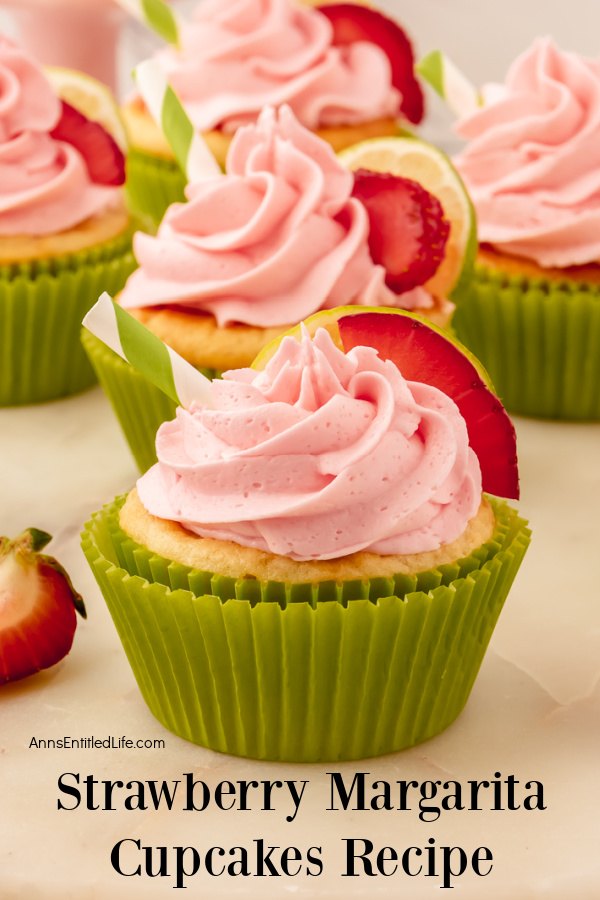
[
  {"x": 316, "y": 571},
  {"x": 345, "y": 70},
  {"x": 532, "y": 166},
  {"x": 65, "y": 233},
  {"x": 287, "y": 231}
]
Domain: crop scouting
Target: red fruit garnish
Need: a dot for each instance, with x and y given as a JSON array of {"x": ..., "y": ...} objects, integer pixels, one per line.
[
  {"x": 37, "y": 607},
  {"x": 425, "y": 355},
  {"x": 408, "y": 231},
  {"x": 102, "y": 155},
  {"x": 352, "y": 23}
]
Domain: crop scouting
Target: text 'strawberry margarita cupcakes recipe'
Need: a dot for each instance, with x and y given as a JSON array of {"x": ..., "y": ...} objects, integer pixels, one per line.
[
  {"x": 318, "y": 572},
  {"x": 64, "y": 232},
  {"x": 346, "y": 71},
  {"x": 532, "y": 166},
  {"x": 287, "y": 231}
]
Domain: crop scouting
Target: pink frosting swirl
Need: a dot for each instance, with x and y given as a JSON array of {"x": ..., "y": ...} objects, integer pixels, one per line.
[
  {"x": 273, "y": 241},
  {"x": 320, "y": 455},
  {"x": 245, "y": 54},
  {"x": 532, "y": 164},
  {"x": 44, "y": 184}
]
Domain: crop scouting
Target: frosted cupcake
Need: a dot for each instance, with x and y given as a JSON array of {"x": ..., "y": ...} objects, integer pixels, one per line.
[
  {"x": 65, "y": 234},
  {"x": 532, "y": 166},
  {"x": 346, "y": 72},
  {"x": 316, "y": 570},
  {"x": 279, "y": 237}
]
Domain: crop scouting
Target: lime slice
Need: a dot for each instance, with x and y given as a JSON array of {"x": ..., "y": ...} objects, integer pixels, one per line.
[
  {"x": 328, "y": 319},
  {"x": 91, "y": 97},
  {"x": 420, "y": 161}
]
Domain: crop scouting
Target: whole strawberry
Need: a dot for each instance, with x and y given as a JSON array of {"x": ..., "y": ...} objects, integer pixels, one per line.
[{"x": 37, "y": 607}]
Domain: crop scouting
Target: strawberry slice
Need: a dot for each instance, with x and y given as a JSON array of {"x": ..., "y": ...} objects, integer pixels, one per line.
[
  {"x": 426, "y": 355},
  {"x": 37, "y": 607},
  {"x": 352, "y": 23},
  {"x": 408, "y": 231},
  {"x": 102, "y": 155}
]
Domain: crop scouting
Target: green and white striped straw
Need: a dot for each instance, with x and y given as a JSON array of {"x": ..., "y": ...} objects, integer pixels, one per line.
[
  {"x": 157, "y": 15},
  {"x": 189, "y": 147},
  {"x": 148, "y": 355},
  {"x": 448, "y": 81}
]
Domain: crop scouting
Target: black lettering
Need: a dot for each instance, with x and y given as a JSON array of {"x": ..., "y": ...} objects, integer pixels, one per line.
[
  {"x": 358, "y": 784},
  {"x": 351, "y": 856},
  {"x": 447, "y": 870},
  {"x": 208, "y": 860},
  {"x": 264, "y": 860},
  {"x": 296, "y": 856},
  {"x": 313, "y": 858},
  {"x": 180, "y": 869},
  {"x": 476, "y": 861},
  {"x": 115, "y": 858},
  {"x": 68, "y": 789}
]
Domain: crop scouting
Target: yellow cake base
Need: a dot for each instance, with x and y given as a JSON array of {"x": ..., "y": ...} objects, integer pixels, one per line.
[
  {"x": 91, "y": 232},
  {"x": 172, "y": 541},
  {"x": 145, "y": 135},
  {"x": 519, "y": 266}
]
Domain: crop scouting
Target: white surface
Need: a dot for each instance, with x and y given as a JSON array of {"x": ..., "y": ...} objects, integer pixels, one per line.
[{"x": 534, "y": 712}]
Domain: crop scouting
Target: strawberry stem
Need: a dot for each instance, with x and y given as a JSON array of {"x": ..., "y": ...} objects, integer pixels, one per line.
[{"x": 35, "y": 538}]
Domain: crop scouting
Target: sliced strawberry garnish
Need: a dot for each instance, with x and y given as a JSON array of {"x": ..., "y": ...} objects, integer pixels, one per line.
[
  {"x": 102, "y": 155},
  {"x": 37, "y": 607},
  {"x": 425, "y": 355},
  {"x": 408, "y": 231},
  {"x": 352, "y": 23}
]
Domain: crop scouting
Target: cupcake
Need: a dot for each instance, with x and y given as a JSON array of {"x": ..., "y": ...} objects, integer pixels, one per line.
[
  {"x": 65, "y": 233},
  {"x": 287, "y": 231},
  {"x": 311, "y": 571},
  {"x": 346, "y": 71},
  {"x": 531, "y": 164}
]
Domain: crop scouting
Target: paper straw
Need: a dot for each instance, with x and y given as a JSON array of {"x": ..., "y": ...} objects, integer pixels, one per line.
[
  {"x": 157, "y": 15},
  {"x": 450, "y": 83},
  {"x": 148, "y": 355},
  {"x": 189, "y": 147}
]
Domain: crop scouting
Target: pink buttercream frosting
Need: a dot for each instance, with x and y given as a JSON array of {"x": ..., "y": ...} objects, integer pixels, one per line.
[
  {"x": 276, "y": 239},
  {"x": 532, "y": 162},
  {"x": 239, "y": 56},
  {"x": 44, "y": 184},
  {"x": 319, "y": 455}
]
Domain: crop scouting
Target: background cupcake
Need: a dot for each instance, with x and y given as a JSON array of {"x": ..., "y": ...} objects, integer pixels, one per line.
[
  {"x": 347, "y": 73},
  {"x": 286, "y": 232},
  {"x": 65, "y": 234},
  {"x": 531, "y": 165},
  {"x": 336, "y": 600}
]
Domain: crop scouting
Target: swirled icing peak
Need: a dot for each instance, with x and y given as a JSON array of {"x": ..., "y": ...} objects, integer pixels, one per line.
[
  {"x": 271, "y": 242},
  {"x": 44, "y": 183},
  {"x": 532, "y": 162},
  {"x": 239, "y": 56},
  {"x": 320, "y": 455}
]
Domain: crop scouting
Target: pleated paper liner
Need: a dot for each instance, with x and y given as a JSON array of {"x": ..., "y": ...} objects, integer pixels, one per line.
[
  {"x": 153, "y": 183},
  {"x": 139, "y": 406},
  {"x": 42, "y": 304},
  {"x": 539, "y": 340},
  {"x": 308, "y": 672}
]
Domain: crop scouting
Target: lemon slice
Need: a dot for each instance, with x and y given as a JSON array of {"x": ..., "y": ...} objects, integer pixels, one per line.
[
  {"x": 91, "y": 97},
  {"x": 412, "y": 158}
]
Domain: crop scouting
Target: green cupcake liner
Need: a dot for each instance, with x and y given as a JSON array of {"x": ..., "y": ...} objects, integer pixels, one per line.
[
  {"x": 42, "y": 304},
  {"x": 152, "y": 184},
  {"x": 539, "y": 341},
  {"x": 303, "y": 672},
  {"x": 139, "y": 406}
]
